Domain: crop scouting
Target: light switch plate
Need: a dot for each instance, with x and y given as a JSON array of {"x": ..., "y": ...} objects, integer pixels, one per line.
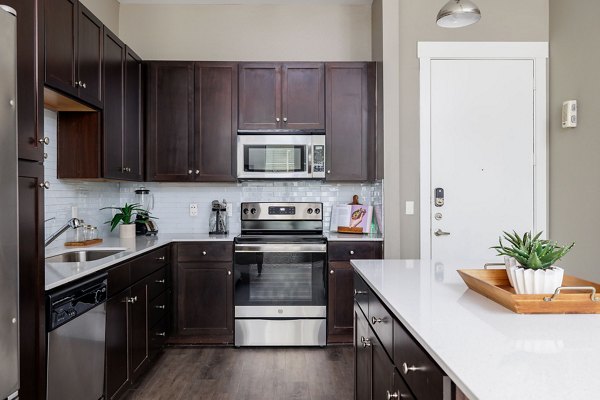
[
  {"x": 410, "y": 208},
  {"x": 193, "y": 210}
]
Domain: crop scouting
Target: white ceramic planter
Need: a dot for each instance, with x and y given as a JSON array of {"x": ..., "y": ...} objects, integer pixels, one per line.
[
  {"x": 127, "y": 231},
  {"x": 529, "y": 281}
]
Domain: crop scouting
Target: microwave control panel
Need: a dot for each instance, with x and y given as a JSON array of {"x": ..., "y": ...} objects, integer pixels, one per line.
[{"x": 319, "y": 159}]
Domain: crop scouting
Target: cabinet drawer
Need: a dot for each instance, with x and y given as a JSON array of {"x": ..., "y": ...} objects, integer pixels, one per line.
[
  {"x": 382, "y": 323},
  {"x": 118, "y": 279},
  {"x": 157, "y": 283},
  {"x": 205, "y": 251},
  {"x": 420, "y": 372},
  {"x": 361, "y": 294},
  {"x": 346, "y": 251},
  {"x": 157, "y": 309},
  {"x": 148, "y": 263},
  {"x": 157, "y": 335}
]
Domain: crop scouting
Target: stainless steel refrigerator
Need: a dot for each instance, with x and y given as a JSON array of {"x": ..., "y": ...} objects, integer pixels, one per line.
[{"x": 9, "y": 248}]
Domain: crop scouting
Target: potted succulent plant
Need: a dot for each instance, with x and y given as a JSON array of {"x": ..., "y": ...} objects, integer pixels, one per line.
[
  {"x": 126, "y": 217},
  {"x": 530, "y": 262}
]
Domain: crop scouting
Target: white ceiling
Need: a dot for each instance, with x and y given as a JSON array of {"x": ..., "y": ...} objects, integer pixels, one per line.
[{"x": 232, "y": 2}]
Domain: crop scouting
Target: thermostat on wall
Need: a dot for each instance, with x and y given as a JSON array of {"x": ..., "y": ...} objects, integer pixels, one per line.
[{"x": 569, "y": 114}]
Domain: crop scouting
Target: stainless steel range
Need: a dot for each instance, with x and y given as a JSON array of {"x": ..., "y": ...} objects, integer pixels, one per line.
[{"x": 279, "y": 266}]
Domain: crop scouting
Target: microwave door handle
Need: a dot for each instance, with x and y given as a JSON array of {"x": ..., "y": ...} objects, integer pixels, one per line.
[{"x": 309, "y": 150}]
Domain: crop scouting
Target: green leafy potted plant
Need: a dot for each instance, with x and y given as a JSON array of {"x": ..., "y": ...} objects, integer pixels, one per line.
[
  {"x": 125, "y": 216},
  {"x": 530, "y": 262}
]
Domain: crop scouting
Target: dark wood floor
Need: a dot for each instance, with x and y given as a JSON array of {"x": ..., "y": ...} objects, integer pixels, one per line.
[{"x": 225, "y": 373}]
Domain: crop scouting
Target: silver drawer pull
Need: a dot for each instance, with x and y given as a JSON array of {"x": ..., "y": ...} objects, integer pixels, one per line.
[
  {"x": 159, "y": 281},
  {"x": 395, "y": 395},
  {"x": 163, "y": 258},
  {"x": 351, "y": 252},
  {"x": 375, "y": 320},
  {"x": 204, "y": 253},
  {"x": 160, "y": 307},
  {"x": 357, "y": 292},
  {"x": 365, "y": 342},
  {"x": 331, "y": 272},
  {"x": 131, "y": 300},
  {"x": 161, "y": 333},
  {"x": 406, "y": 369},
  {"x": 228, "y": 272}
]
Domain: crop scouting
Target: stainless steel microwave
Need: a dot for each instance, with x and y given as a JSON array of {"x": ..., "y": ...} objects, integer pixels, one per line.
[{"x": 281, "y": 156}]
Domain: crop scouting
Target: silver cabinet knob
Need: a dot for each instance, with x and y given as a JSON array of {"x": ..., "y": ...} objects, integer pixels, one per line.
[
  {"x": 331, "y": 272},
  {"x": 161, "y": 334},
  {"x": 357, "y": 292},
  {"x": 285, "y": 120},
  {"x": 328, "y": 171},
  {"x": 163, "y": 258},
  {"x": 197, "y": 172},
  {"x": 190, "y": 171},
  {"x": 395, "y": 395},
  {"x": 406, "y": 369},
  {"x": 204, "y": 253},
  {"x": 127, "y": 169},
  {"x": 376, "y": 320},
  {"x": 351, "y": 252},
  {"x": 45, "y": 141},
  {"x": 83, "y": 85},
  {"x": 131, "y": 300},
  {"x": 277, "y": 119},
  {"x": 159, "y": 281},
  {"x": 440, "y": 232},
  {"x": 228, "y": 272},
  {"x": 365, "y": 342},
  {"x": 162, "y": 307},
  {"x": 45, "y": 185}
]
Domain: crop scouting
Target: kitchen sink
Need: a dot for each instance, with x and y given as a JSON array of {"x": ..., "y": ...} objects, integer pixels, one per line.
[{"x": 83, "y": 255}]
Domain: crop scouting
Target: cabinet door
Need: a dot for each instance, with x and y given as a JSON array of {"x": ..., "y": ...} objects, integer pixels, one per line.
[
  {"x": 340, "y": 310},
  {"x": 29, "y": 87},
  {"x": 60, "y": 18},
  {"x": 348, "y": 121},
  {"x": 303, "y": 96},
  {"x": 363, "y": 356},
  {"x": 114, "y": 51},
  {"x": 138, "y": 327},
  {"x": 400, "y": 389},
  {"x": 260, "y": 96},
  {"x": 216, "y": 121},
  {"x": 205, "y": 300},
  {"x": 117, "y": 345},
  {"x": 89, "y": 57},
  {"x": 383, "y": 371},
  {"x": 170, "y": 146},
  {"x": 132, "y": 127},
  {"x": 32, "y": 330}
]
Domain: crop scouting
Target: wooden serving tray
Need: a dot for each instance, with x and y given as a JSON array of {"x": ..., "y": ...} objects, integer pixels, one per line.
[
  {"x": 494, "y": 284},
  {"x": 84, "y": 243},
  {"x": 347, "y": 229}
]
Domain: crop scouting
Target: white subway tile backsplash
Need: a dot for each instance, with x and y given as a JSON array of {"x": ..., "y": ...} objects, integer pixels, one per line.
[{"x": 172, "y": 200}]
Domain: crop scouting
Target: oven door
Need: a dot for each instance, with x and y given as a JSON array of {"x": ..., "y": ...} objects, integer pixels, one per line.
[
  {"x": 274, "y": 156},
  {"x": 280, "y": 280}
]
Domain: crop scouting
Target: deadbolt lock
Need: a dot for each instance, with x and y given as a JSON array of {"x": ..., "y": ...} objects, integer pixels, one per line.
[{"x": 438, "y": 216}]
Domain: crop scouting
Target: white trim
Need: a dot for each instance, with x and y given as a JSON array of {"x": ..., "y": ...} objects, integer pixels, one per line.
[{"x": 536, "y": 51}]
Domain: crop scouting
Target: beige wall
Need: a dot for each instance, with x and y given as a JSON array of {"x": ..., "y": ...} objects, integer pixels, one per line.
[
  {"x": 575, "y": 153},
  {"x": 507, "y": 20},
  {"x": 266, "y": 33},
  {"x": 107, "y": 11}
]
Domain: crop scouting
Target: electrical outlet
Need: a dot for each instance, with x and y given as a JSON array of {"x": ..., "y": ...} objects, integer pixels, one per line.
[
  {"x": 410, "y": 208},
  {"x": 193, "y": 210}
]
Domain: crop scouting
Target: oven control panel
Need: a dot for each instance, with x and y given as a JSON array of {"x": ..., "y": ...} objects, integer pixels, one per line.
[
  {"x": 282, "y": 211},
  {"x": 287, "y": 210}
]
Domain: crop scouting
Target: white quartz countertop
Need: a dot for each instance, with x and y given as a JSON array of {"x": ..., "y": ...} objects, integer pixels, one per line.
[
  {"x": 488, "y": 351},
  {"x": 336, "y": 237},
  {"x": 59, "y": 273}
]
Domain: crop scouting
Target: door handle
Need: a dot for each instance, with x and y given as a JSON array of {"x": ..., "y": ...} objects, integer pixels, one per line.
[{"x": 440, "y": 232}]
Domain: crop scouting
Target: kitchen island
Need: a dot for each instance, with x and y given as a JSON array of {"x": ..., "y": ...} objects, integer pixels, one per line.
[{"x": 488, "y": 351}]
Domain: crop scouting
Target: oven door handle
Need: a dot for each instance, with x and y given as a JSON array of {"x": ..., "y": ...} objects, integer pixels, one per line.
[{"x": 281, "y": 248}]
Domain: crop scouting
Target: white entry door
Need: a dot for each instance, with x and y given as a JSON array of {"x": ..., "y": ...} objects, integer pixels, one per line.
[{"x": 482, "y": 172}]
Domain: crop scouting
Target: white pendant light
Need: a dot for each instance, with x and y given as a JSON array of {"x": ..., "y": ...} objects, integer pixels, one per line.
[{"x": 458, "y": 13}]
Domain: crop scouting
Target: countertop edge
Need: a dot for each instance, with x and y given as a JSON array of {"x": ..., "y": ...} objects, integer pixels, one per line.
[{"x": 432, "y": 353}]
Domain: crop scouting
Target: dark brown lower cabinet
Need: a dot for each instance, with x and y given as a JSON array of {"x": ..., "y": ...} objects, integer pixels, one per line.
[
  {"x": 364, "y": 355},
  {"x": 32, "y": 327},
  {"x": 340, "y": 302},
  {"x": 133, "y": 335}
]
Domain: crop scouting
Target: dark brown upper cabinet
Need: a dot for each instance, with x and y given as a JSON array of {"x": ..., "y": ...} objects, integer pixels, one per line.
[
  {"x": 73, "y": 50},
  {"x": 192, "y": 121},
  {"x": 122, "y": 139},
  {"x": 286, "y": 96},
  {"x": 350, "y": 109}
]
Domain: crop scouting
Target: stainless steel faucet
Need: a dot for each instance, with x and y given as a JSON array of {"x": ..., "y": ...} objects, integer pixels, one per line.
[{"x": 72, "y": 223}]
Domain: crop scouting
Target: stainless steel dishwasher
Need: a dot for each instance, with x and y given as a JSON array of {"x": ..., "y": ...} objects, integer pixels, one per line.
[{"x": 76, "y": 337}]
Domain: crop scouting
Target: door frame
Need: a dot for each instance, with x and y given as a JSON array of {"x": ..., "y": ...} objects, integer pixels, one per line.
[{"x": 535, "y": 51}]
